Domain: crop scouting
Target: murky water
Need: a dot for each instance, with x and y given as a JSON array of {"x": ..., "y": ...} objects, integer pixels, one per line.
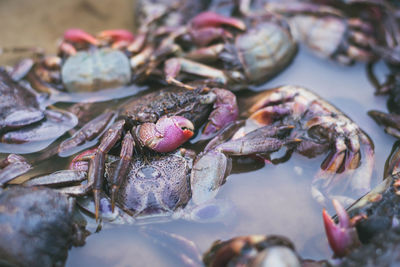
[{"x": 272, "y": 200}]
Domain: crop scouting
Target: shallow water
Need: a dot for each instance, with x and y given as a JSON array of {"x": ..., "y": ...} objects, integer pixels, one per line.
[{"x": 272, "y": 200}]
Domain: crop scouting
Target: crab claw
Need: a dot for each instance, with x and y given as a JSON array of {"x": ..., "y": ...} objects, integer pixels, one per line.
[
  {"x": 212, "y": 19},
  {"x": 78, "y": 35},
  {"x": 167, "y": 134},
  {"x": 343, "y": 237},
  {"x": 116, "y": 35},
  {"x": 225, "y": 111}
]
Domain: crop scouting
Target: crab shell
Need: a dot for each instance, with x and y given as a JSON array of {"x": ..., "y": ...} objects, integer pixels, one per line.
[{"x": 155, "y": 185}]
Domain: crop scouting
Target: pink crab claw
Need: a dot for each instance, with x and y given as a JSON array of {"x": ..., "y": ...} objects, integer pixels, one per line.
[
  {"x": 225, "y": 112},
  {"x": 117, "y": 35},
  {"x": 342, "y": 237},
  {"x": 212, "y": 19},
  {"x": 78, "y": 35},
  {"x": 167, "y": 134}
]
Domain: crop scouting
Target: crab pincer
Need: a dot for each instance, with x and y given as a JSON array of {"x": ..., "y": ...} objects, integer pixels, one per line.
[
  {"x": 167, "y": 134},
  {"x": 75, "y": 36},
  {"x": 342, "y": 237},
  {"x": 78, "y": 35}
]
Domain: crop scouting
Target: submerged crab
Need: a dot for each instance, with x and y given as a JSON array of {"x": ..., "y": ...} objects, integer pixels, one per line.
[
  {"x": 247, "y": 51},
  {"x": 371, "y": 224},
  {"x": 24, "y": 120},
  {"x": 329, "y": 32},
  {"x": 253, "y": 250},
  {"x": 321, "y": 128}
]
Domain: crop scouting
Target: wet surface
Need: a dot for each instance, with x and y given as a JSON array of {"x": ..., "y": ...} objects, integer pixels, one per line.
[{"x": 271, "y": 200}]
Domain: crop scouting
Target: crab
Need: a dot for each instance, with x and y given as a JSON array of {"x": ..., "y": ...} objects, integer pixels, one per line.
[
  {"x": 227, "y": 43},
  {"x": 369, "y": 223},
  {"x": 328, "y": 31},
  {"x": 178, "y": 184},
  {"x": 84, "y": 63},
  {"x": 322, "y": 128},
  {"x": 23, "y": 120},
  {"x": 252, "y": 250},
  {"x": 160, "y": 121},
  {"x": 115, "y": 58},
  {"x": 389, "y": 52}
]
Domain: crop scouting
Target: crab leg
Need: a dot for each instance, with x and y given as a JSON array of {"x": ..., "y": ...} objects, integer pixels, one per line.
[
  {"x": 173, "y": 66},
  {"x": 79, "y": 164},
  {"x": 206, "y": 54},
  {"x": 261, "y": 140},
  {"x": 88, "y": 132},
  {"x": 58, "y": 178},
  {"x": 333, "y": 162},
  {"x": 12, "y": 167},
  {"x": 212, "y": 167},
  {"x": 390, "y": 121},
  {"x": 123, "y": 166},
  {"x": 108, "y": 141},
  {"x": 392, "y": 166}
]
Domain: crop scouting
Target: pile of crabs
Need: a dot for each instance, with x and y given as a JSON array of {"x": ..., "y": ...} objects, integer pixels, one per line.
[{"x": 193, "y": 58}]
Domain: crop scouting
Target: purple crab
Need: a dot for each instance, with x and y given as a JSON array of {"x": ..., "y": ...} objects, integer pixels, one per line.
[{"x": 23, "y": 120}]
